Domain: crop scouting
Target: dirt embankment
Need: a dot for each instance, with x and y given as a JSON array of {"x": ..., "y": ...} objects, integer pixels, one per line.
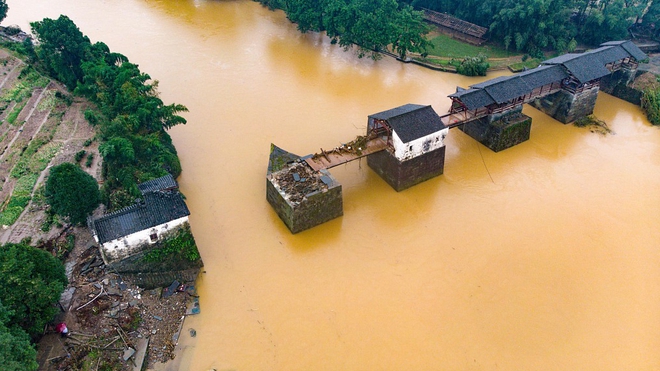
[{"x": 42, "y": 125}]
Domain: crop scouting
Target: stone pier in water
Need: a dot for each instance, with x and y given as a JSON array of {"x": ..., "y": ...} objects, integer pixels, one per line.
[{"x": 405, "y": 145}]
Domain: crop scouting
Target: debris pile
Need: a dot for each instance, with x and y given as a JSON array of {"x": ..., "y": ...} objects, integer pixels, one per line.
[
  {"x": 298, "y": 180},
  {"x": 594, "y": 125},
  {"x": 112, "y": 322},
  {"x": 356, "y": 146}
]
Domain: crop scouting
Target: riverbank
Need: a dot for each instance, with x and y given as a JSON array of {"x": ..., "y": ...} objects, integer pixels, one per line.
[{"x": 42, "y": 126}]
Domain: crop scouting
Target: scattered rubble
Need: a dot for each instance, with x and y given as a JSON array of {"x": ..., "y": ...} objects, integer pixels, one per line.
[
  {"x": 297, "y": 180},
  {"x": 112, "y": 322}
]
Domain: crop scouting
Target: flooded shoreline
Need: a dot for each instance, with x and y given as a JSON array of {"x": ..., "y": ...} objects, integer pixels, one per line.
[{"x": 543, "y": 256}]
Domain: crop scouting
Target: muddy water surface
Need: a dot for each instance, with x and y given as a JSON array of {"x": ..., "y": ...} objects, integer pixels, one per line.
[{"x": 544, "y": 256}]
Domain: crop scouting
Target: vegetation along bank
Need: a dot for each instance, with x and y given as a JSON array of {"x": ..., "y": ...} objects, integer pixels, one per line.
[{"x": 76, "y": 115}]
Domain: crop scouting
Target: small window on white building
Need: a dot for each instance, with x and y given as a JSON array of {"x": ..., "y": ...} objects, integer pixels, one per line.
[
  {"x": 153, "y": 236},
  {"x": 410, "y": 148}
]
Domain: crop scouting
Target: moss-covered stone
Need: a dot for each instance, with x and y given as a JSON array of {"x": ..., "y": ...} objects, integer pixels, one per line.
[{"x": 500, "y": 134}]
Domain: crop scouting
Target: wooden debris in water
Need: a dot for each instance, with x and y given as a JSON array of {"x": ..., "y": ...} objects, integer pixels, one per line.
[{"x": 594, "y": 124}]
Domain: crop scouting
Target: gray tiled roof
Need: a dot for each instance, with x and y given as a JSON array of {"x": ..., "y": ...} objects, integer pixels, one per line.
[
  {"x": 562, "y": 58},
  {"x": 159, "y": 184},
  {"x": 629, "y": 47},
  {"x": 161, "y": 203},
  {"x": 609, "y": 54},
  {"x": 591, "y": 65},
  {"x": 543, "y": 75},
  {"x": 584, "y": 67},
  {"x": 504, "y": 88},
  {"x": 157, "y": 208},
  {"x": 474, "y": 98},
  {"x": 411, "y": 121}
]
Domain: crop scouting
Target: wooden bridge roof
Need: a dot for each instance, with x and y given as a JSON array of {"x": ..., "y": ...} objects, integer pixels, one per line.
[
  {"x": 590, "y": 65},
  {"x": 411, "y": 121},
  {"x": 630, "y": 47},
  {"x": 505, "y": 88},
  {"x": 584, "y": 67}
]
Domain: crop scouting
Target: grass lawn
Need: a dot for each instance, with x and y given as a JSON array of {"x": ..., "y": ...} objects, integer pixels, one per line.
[
  {"x": 529, "y": 64},
  {"x": 445, "y": 46}
]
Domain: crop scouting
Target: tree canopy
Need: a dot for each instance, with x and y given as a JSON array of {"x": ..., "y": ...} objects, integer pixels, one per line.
[
  {"x": 372, "y": 25},
  {"x": 133, "y": 120},
  {"x": 536, "y": 25},
  {"x": 16, "y": 352},
  {"x": 4, "y": 8},
  {"x": 32, "y": 281},
  {"x": 71, "y": 192}
]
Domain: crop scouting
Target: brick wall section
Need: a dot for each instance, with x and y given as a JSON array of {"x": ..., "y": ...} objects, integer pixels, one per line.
[
  {"x": 402, "y": 175},
  {"x": 316, "y": 209},
  {"x": 500, "y": 134},
  {"x": 567, "y": 107}
]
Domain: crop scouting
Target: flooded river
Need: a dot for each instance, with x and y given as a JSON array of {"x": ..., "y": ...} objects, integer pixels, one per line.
[{"x": 545, "y": 256}]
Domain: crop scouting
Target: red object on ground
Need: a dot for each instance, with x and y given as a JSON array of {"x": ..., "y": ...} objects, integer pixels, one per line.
[{"x": 61, "y": 328}]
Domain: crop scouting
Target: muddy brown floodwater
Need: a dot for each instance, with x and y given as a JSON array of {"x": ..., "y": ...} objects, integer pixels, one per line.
[{"x": 545, "y": 256}]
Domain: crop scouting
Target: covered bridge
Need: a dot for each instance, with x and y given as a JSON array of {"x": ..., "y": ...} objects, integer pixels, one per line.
[{"x": 571, "y": 72}]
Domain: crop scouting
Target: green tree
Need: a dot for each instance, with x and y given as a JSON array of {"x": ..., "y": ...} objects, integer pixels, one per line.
[
  {"x": 32, "y": 281},
  {"x": 62, "y": 49},
  {"x": 4, "y": 8},
  {"x": 71, "y": 192},
  {"x": 16, "y": 352}
]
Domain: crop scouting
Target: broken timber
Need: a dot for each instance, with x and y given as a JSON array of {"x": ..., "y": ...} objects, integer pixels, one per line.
[{"x": 342, "y": 155}]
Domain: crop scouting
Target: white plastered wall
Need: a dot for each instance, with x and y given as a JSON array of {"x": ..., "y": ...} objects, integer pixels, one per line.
[
  {"x": 134, "y": 243},
  {"x": 419, "y": 146}
]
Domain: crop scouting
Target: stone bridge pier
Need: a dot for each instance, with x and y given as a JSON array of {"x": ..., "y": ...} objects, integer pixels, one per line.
[
  {"x": 499, "y": 131},
  {"x": 566, "y": 106}
]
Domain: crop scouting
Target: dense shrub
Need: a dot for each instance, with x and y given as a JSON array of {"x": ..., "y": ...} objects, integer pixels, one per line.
[
  {"x": 474, "y": 66},
  {"x": 32, "y": 282},
  {"x": 651, "y": 105},
  {"x": 71, "y": 192}
]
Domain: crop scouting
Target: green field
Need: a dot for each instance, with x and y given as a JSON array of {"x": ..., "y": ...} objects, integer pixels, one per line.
[{"x": 445, "y": 46}]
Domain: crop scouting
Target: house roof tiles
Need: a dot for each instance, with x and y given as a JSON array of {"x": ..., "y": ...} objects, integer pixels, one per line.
[
  {"x": 411, "y": 121},
  {"x": 159, "y": 184},
  {"x": 161, "y": 203}
]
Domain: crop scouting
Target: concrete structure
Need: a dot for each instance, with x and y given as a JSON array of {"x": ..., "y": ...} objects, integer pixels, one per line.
[
  {"x": 135, "y": 229},
  {"x": 416, "y": 151}
]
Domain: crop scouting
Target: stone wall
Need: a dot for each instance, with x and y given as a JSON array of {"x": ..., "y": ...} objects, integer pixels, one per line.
[
  {"x": 148, "y": 273},
  {"x": 500, "y": 134},
  {"x": 162, "y": 279},
  {"x": 618, "y": 85},
  {"x": 567, "y": 107},
  {"x": 317, "y": 207},
  {"x": 405, "y": 174}
]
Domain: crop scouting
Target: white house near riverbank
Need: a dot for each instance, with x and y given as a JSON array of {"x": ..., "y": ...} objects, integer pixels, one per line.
[{"x": 131, "y": 230}]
